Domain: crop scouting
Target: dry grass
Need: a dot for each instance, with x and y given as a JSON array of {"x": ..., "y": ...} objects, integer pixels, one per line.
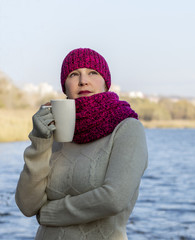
[{"x": 16, "y": 124}]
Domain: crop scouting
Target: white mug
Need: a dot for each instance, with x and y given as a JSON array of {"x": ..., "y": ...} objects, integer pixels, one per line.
[{"x": 64, "y": 113}]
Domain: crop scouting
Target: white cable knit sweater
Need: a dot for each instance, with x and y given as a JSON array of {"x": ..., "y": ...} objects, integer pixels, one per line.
[{"x": 84, "y": 191}]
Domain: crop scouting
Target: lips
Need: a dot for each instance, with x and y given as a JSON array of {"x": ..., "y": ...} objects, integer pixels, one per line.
[{"x": 84, "y": 92}]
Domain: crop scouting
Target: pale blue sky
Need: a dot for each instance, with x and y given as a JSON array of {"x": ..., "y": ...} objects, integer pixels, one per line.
[{"x": 148, "y": 44}]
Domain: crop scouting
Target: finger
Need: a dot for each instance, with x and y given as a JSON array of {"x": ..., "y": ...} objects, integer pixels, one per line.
[
  {"x": 47, "y": 104},
  {"x": 53, "y": 122},
  {"x": 47, "y": 116},
  {"x": 44, "y": 111},
  {"x": 52, "y": 127},
  {"x": 49, "y": 121}
]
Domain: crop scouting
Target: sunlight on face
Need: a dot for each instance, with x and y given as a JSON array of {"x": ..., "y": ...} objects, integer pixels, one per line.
[{"x": 84, "y": 82}]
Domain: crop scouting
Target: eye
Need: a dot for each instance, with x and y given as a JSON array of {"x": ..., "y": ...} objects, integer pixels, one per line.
[
  {"x": 72, "y": 74},
  {"x": 93, "y": 72}
]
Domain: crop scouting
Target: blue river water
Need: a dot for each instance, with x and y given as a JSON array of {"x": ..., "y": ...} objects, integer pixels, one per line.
[{"x": 165, "y": 209}]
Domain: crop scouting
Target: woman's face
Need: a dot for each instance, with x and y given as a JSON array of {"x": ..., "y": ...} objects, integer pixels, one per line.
[{"x": 84, "y": 82}]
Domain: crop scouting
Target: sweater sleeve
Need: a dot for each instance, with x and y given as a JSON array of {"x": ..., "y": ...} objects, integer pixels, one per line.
[
  {"x": 30, "y": 192},
  {"x": 128, "y": 161}
]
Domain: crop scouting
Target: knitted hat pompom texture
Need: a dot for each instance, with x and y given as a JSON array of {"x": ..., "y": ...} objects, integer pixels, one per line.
[{"x": 85, "y": 58}]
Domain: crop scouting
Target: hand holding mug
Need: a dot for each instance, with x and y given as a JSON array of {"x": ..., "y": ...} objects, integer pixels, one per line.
[
  {"x": 64, "y": 114},
  {"x": 42, "y": 123}
]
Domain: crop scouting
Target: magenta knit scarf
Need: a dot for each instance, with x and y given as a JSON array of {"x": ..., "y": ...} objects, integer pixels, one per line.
[{"x": 98, "y": 115}]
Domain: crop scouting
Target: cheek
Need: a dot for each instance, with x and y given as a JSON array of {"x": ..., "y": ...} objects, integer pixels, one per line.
[
  {"x": 69, "y": 86},
  {"x": 70, "y": 89},
  {"x": 102, "y": 85}
]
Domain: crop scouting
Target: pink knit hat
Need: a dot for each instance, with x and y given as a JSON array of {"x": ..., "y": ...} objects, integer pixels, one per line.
[{"x": 85, "y": 58}]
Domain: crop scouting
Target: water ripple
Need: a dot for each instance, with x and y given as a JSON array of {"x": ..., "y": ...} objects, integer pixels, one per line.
[{"x": 165, "y": 209}]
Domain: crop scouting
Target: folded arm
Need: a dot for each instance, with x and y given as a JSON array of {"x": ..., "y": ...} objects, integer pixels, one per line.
[{"x": 127, "y": 163}]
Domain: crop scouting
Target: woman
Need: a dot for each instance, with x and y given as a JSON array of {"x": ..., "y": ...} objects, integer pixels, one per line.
[{"x": 85, "y": 189}]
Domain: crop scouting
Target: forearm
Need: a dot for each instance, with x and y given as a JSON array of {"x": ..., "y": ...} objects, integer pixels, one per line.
[
  {"x": 128, "y": 161},
  {"x": 100, "y": 203},
  {"x": 80, "y": 209},
  {"x": 30, "y": 192}
]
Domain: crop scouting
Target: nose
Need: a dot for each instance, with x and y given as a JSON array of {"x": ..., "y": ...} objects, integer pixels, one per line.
[{"x": 83, "y": 80}]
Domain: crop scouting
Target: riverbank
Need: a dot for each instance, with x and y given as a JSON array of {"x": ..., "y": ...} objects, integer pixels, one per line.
[
  {"x": 180, "y": 123},
  {"x": 16, "y": 124}
]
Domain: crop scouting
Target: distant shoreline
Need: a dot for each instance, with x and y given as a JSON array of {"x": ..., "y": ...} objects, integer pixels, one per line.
[
  {"x": 176, "y": 124},
  {"x": 17, "y": 123}
]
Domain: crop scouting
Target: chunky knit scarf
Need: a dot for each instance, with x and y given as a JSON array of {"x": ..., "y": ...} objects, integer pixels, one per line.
[{"x": 98, "y": 115}]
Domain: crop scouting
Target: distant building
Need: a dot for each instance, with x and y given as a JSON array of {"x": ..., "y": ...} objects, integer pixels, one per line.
[{"x": 137, "y": 94}]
